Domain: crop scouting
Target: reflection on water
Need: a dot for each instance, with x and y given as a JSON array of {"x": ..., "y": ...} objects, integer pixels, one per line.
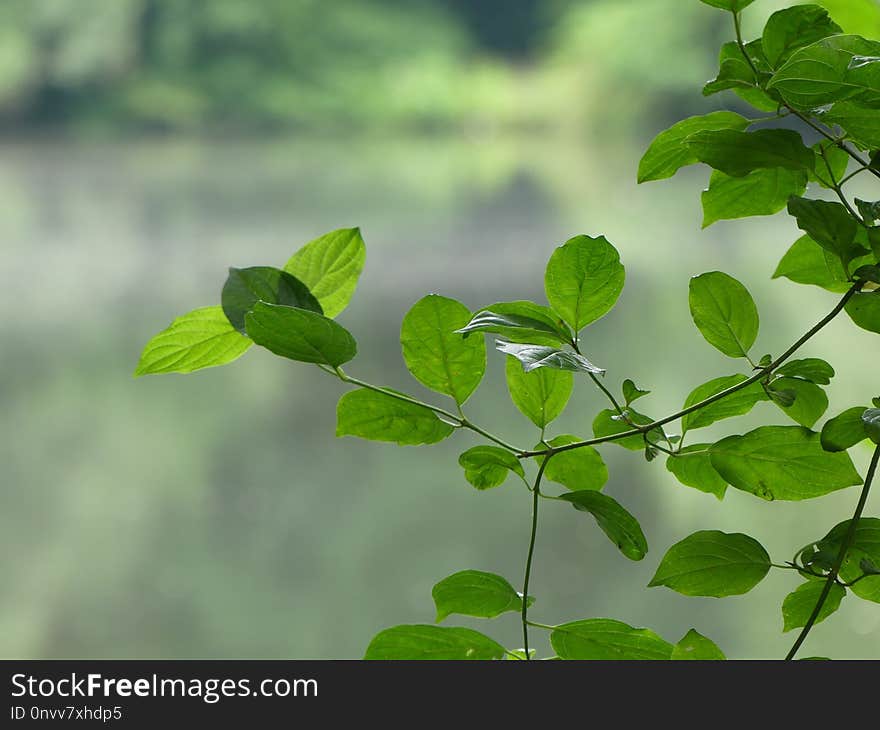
[{"x": 216, "y": 515}]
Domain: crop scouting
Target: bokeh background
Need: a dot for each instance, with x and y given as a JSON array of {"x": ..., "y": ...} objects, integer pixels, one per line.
[{"x": 147, "y": 145}]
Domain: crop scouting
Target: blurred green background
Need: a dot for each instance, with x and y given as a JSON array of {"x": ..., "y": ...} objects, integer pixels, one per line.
[{"x": 147, "y": 145}]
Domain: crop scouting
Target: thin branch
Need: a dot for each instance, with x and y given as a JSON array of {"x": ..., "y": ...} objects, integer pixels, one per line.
[{"x": 536, "y": 494}]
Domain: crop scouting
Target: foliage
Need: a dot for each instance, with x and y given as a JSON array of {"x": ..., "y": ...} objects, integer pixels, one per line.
[{"x": 803, "y": 68}]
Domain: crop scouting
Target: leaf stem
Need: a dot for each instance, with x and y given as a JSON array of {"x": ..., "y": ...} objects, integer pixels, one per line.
[
  {"x": 536, "y": 494},
  {"x": 742, "y": 46},
  {"x": 831, "y": 579}
]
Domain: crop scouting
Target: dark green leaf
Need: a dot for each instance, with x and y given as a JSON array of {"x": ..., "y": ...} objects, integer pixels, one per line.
[
  {"x": 871, "y": 422},
  {"x": 868, "y": 273},
  {"x": 738, "y": 153},
  {"x": 382, "y": 417},
  {"x": 608, "y": 423},
  {"x": 762, "y": 192},
  {"x": 621, "y": 527},
  {"x": 524, "y": 322},
  {"x": 806, "y": 262},
  {"x": 832, "y": 163},
  {"x": 605, "y": 638},
  {"x": 869, "y": 211},
  {"x": 810, "y": 368},
  {"x": 844, "y": 431},
  {"x": 860, "y": 122},
  {"x": 583, "y": 280},
  {"x": 668, "y": 152},
  {"x": 724, "y": 312},
  {"x": 488, "y": 466},
  {"x": 697, "y": 647},
  {"x": 810, "y": 401},
  {"x": 421, "y": 641},
  {"x": 782, "y": 462},
  {"x": 793, "y": 28},
  {"x": 829, "y": 225},
  {"x": 575, "y": 469},
  {"x": 864, "y": 310},
  {"x": 865, "y": 546},
  {"x": 300, "y": 334},
  {"x": 199, "y": 339},
  {"x": 735, "y": 404},
  {"x": 693, "y": 468},
  {"x": 245, "y": 287},
  {"x": 713, "y": 563},
  {"x": 534, "y": 357},
  {"x": 631, "y": 392},
  {"x": 540, "y": 395},
  {"x": 330, "y": 267},
  {"x": 475, "y": 593},
  {"x": 437, "y": 357},
  {"x": 799, "y": 604}
]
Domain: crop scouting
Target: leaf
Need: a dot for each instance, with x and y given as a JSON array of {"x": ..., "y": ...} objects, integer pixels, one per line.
[
  {"x": 782, "y": 462},
  {"x": 436, "y": 356},
  {"x": 330, "y": 267},
  {"x": 540, "y": 395},
  {"x": 693, "y": 468},
  {"x": 583, "y": 280},
  {"x": 870, "y": 211},
  {"x": 533, "y": 357},
  {"x": 806, "y": 262},
  {"x": 199, "y": 339},
  {"x": 737, "y": 74},
  {"x": 861, "y": 123},
  {"x": 810, "y": 401},
  {"x": 245, "y": 287},
  {"x": 423, "y": 641},
  {"x": 724, "y": 312},
  {"x": 608, "y": 423},
  {"x": 737, "y": 153},
  {"x": 488, "y": 466},
  {"x": 713, "y": 563},
  {"x": 575, "y": 469},
  {"x": 734, "y": 5},
  {"x": 864, "y": 310},
  {"x": 631, "y": 392},
  {"x": 381, "y": 417},
  {"x": 697, "y": 647},
  {"x": 475, "y": 593},
  {"x": 799, "y": 604},
  {"x": 621, "y": 527},
  {"x": 844, "y": 430},
  {"x": 829, "y": 156},
  {"x": 300, "y": 334},
  {"x": 811, "y": 368},
  {"x": 871, "y": 422},
  {"x": 788, "y": 30},
  {"x": 824, "y": 72},
  {"x": 524, "y": 322},
  {"x": 762, "y": 192},
  {"x": 668, "y": 153},
  {"x": 605, "y": 638},
  {"x": 735, "y": 404},
  {"x": 829, "y": 225},
  {"x": 865, "y": 546}
]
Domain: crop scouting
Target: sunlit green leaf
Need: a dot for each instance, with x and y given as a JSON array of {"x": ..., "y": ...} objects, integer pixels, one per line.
[
  {"x": 865, "y": 546},
  {"x": 738, "y": 153},
  {"x": 828, "y": 224},
  {"x": 382, "y": 417},
  {"x": 534, "y": 357},
  {"x": 423, "y": 641},
  {"x": 861, "y": 123},
  {"x": 693, "y": 468},
  {"x": 810, "y": 401},
  {"x": 540, "y": 395},
  {"x": 738, "y": 75},
  {"x": 832, "y": 163},
  {"x": 724, "y": 312},
  {"x": 475, "y": 593},
  {"x": 845, "y": 430},
  {"x": 575, "y": 469},
  {"x": 806, "y": 262},
  {"x": 609, "y": 423},
  {"x": 524, "y": 322},
  {"x": 605, "y": 638},
  {"x": 631, "y": 392},
  {"x": 621, "y": 527},
  {"x": 792, "y": 28},
  {"x": 864, "y": 310},
  {"x": 245, "y": 287},
  {"x": 799, "y": 604},
  {"x": 735, "y": 404},
  {"x": 734, "y": 5},
  {"x": 871, "y": 422},
  {"x": 695, "y": 646},
  {"x": 488, "y": 466},
  {"x": 811, "y": 368},
  {"x": 762, "y": 192}
]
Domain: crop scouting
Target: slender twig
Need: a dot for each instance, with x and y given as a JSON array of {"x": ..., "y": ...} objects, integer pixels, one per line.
[
  {"x": 831, "y": 578},
  {"x": 536, "y": 493},
  {"x": 835, "y": 186},
  {"x": 742, "y": 46}
]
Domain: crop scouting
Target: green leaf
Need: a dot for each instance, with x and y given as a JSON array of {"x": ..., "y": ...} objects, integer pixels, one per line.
[
  {"x": 844, "y": 431},
  {"x": 540, "y": 395},
  {"x": 199, "y": 339},
  {"x": 735, "y": 404},
  {"x": 810, "y": 401},
  {"x": 793, "y": 28},
  {"x": 524, "y": 322},
  {"x": 870, "y": 211},
  {"x": 864, "y": 310},
  {"x": 736, "y": 74},
  {"x": 488, "y": 466},
  {"x": 865, "y": 546},
  {"x": 829, "y": 156},
  {"x": 693, "y": 468},
  {"x": 668, "y": 153},
  {"x": 762, "y": 192},
  {"x": 436, "y": 356},
  {"x": 860, "y": 123},
  {"x": 782, "y": 462},
  {"x": 806, "y": 262},
  {"x": 534, "y": 357},
  {"x": 583, "y": 280},
  {"x": 829, "y": 71},
  {"x": 811, "y": 368},
  {"x": 608, "y": 423},
  {"x": 724, "y": 312},
  {"x": 423, "y": 641},
  {"x": 799, "y": 604},
  {"x": 713, "y": 563},
  {"x": 605, "y": 638},
  {"x": 381, "y": 417},
  {"x": 475, "y": 593},
  {"x": 829, "y": 225},
  {"x": 245, "y": 287},
  {"x": 737, "y": 153},
  {"x": 621, "y": 527},
  {"x": 631, "y": 392},
  {"x": 575, "y": 469},
  {"x": 330, "y": 267},
  {"x": 694, "y": 645},
  {"x": 299, "y": 334},
  {"x": 734, "y": 5},
  {"x": 871, "y": 422}
]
